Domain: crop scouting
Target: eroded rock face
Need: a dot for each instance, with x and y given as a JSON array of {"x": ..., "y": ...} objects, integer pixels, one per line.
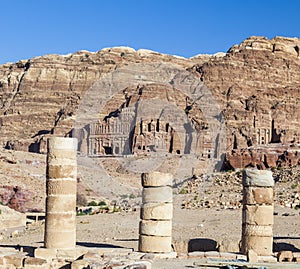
[
  {"x": 15, "y": 197},
  {"x": 263, "y": 157},
  {"x": 256, "y": 83}
]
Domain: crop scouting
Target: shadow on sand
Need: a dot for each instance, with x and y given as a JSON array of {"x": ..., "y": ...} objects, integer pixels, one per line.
[{"x": 96, "y": 245}]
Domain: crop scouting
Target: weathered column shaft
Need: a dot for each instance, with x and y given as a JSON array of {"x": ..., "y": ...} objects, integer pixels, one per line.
[
  {"x": 258, "y": 208},
  {"x": 156, "y": 213},
  {"x": 61, "y": 182}
]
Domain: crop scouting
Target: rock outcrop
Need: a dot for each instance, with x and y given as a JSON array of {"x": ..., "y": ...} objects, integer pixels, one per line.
[
  {"x": 10, "y": 218},
  {"x": 256, "y": 84},
  {"x": 15, "y": 197}
]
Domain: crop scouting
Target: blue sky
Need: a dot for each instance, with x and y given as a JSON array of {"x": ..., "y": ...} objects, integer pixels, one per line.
[{"x": 183, "y": 27}]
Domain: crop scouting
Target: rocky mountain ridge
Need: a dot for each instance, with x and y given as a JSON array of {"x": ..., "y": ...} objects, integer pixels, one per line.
[{"x": 256, "y": 84}]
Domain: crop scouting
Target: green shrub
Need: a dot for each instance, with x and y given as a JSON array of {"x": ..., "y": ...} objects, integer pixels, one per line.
[
  {"x": 131, "y": 196},
  {"x": 183, "y": 191},
  {"x": 294, "y": 186},
  {"x": 102, "y": 203},
  {"x": 92, "y": 203}
]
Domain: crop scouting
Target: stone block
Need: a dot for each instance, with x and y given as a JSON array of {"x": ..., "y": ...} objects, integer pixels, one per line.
[
  {"x": 258, "y": 195},
  {"x": 135, "y": 255},
  {"x": 267, "y": 259},
  {"x": 155, "y": 244},
  {"x": 112, "y": 255},
  {"x": 258, "y": 215},
  {"x": 182, "y": 256},
  {"x": 180, "y": 247},
  {"x": 61, "y": 264},
  {"x": 212, "y": 254},
  {"x": 100, "y": 265},
  {"x": 156, "y": 227},
  {"x": 15, "y": 260},
  {"x": 80, "y": 264},
  {"x": 70, "y": 254},
  {"x": 62, "y": 155},
  {"x": 66, "y": 204},
  {"x": 196, "y": 254},
  {"x": 252, "y": 256},
  {"x": 91, "y": 256},
  {"x": 61, "y": 186},
  {"x": 60, "y": 220},
  {"x": 103, "y": 251},
  {"x": 157, "y": 195},
  {"x": 45, "y": 253},
  {"x": 55, "y": 238},
  {"x": 53, "y": 160},
  {"x": 157, "y": 211},
  {"x": 285, "y": 256},
  {"x": 158, "y": 256},
  {"x": 227, "y": 256},
  {"x": 296, "y": 256},
  {"x": 156, "y": 179},
  {"x": 257, "y": 178},
  {"x": 112, "y": 264},
  {"x": 36, "y": 263},
  {"x": 263, "y": 246},
  {"x": 62, "y": 143},
  {"x": 62, "y": 171},
  {"x": 139, "y": 265},
  {"x": 229, "y": 245},
  {"x": 256, "y": 230},
  {"x": 241, "y": 257}
]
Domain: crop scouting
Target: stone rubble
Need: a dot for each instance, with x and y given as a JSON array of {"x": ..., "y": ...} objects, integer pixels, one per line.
[{"x": 208, "y": 192}]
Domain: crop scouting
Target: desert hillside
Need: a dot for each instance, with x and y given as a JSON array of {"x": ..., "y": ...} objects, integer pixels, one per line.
[{"x": 255, "y": 84}]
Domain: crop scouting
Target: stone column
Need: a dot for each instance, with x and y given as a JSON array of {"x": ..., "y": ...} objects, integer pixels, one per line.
[
  {"x": 258, "y": 208},
  {"x": 156, "y": 213},
  {"x": 61, "y": 181}
]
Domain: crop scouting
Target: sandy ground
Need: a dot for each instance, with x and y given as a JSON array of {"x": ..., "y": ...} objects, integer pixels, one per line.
[
  {"x": 211, "y": 227},
  {"x": 121, "y": 229}
]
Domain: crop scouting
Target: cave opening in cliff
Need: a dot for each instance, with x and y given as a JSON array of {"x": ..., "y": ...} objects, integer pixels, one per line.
[
  {"x": 275, "y": 138},
  {"x": 297, "y": 50}
]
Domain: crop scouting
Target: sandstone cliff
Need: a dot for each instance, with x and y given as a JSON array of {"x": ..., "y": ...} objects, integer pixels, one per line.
[{"x": 256, "y": 83}]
